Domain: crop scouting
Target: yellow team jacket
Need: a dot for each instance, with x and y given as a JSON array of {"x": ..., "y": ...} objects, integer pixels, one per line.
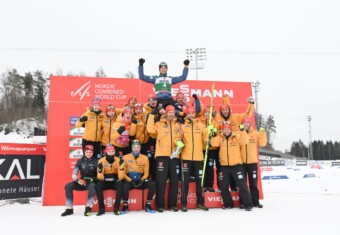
[
  {"x": 168, "y": 132},
  {"x": 140, "y": 165},
  {"x": 249, "y": 151},
  {"x": 235, "y": 119},
  {"x": 110, "y": 171},
  {"x": 139, "y": 130},
  {"x": 93, "y": 126},
  {"x": 107, "y": 129},
  {"x": 230, "y": 152},
  {"x": 194, "y": 135}
]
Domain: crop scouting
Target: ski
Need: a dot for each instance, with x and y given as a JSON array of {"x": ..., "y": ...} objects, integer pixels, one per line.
[
  {"x": 176, "y": 152},
  {"x": 209, "y": 135}
]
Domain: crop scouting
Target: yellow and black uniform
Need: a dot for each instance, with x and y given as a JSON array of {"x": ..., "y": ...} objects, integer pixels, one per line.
[
  {"x": 138, "y": 128},
  {"x": 194, "y": 137},
  {"x": 148, "y": 148},
  {"x": 235, "y": 121},
  {"x": 107, "y": 130},
  {"x": 250, "y": 161},
  {"x": 213, "y": 160},
  {"x": 92, "y": 121},
  {"x": 137, "y": 175},
  {"x": 168, "y": 133},
  {"x": 231, "y": 166},
  {"x": 110, "y": 175}
]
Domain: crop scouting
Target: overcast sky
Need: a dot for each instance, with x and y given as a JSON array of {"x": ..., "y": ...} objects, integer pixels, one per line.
[{"x": 291, "y": 47}]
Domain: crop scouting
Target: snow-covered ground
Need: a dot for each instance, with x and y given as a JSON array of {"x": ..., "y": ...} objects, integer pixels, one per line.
[
  {"x": 14, "y": 137},
  {"x": 292, "y": 206}
]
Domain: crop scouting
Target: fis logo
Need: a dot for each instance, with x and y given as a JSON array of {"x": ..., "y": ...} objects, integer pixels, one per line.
[{"x": 82, "y": 91}]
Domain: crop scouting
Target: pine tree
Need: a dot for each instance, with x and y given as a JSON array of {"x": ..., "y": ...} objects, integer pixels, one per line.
[
  {"x": 271, "y": 130},
  {"x": 100, "y": 73},
  {"x": 40, "y": 92}
]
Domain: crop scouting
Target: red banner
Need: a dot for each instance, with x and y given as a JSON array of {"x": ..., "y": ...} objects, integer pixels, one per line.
[
  {"x": 69, "y": 98},
  {"x": 22, "y": 149}
]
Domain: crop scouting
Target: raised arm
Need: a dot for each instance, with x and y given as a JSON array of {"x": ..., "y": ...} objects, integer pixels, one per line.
[{"x": 142, "y": 76}]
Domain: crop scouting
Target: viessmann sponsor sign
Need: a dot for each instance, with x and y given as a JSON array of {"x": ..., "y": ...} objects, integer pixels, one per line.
[{"x": 21, "y": 170}]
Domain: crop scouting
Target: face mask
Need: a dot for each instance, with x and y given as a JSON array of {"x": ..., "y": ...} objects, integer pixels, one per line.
[
  {"x": 109, "y": 158},
  {"x": 135, "y": 154}
]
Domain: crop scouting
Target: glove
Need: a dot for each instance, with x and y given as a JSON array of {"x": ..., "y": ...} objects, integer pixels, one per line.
[
  {"x": 262, "y": 129},
  {"x": 82, "y": 182},
  {"x": 137, "y": 183},
  {"x": 241, "y": 127},
  {"x": 179, "y": 144},
  {"x": 133, "y": 120},
  {"x": 195, "y": 96},
  {"x": 211, "y": 129},
  {"x": 121, "y": 162},
  {"x": 186, "y": 62},
  {"x": 100, "y": 168},
  {"x": 251, "y": 100},
  {"x": 141, "y": 61},
  {"x": 88, "y": 179},
  {"x": 154, "y": 112},
  {"x": 83, "y": 119},
  {"x": 121, "y": 129}
]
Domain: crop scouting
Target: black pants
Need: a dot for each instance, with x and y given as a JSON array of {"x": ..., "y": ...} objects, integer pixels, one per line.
[
  {"x": 167, "y": 168},
  {"x": 250, "y": 172},
  {"x": 150, "y": 153},
  {"x": 232, "y": 184},
  {"x": 164, "y": 102},
  {"x": 196, "y": 167},
  {"x": 91, "y": 187},
  {"x": 104, "y": 185},
  {"x": 150, "y": 185},
  {"x": 96, "y": 148},
  {"x": 212, "y": 160},
  {"x": 235, "y": 172}
]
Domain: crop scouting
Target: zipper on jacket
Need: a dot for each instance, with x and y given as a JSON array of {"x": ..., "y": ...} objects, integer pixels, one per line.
[
  {"x": 228, "y": 151},
  {"x": 95, "y": 140},
  {"x": 246, "y": 153},
  {"x": 110, "y": 131},
  {"x": 170, "y": 138},
  {"x": 193, "y": 145}
]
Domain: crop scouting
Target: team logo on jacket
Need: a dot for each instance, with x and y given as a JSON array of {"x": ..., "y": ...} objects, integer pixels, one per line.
[{"x": 160, "y": 164}]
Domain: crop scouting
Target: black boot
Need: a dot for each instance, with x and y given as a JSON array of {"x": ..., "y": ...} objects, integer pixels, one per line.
[
  {"x": 258, "y": 205},
  {"x": 184, "y": 208},
  {"x": 87, "y": 211},
  {"x": 101, "y": 212},
  {"x": 67, "y": 212},
  {"x": 148, "y": 207},
  {"x": 248, "y": 208},
  {"x": 202, "y": 207},
  {"x": 125, "y": 207}
]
